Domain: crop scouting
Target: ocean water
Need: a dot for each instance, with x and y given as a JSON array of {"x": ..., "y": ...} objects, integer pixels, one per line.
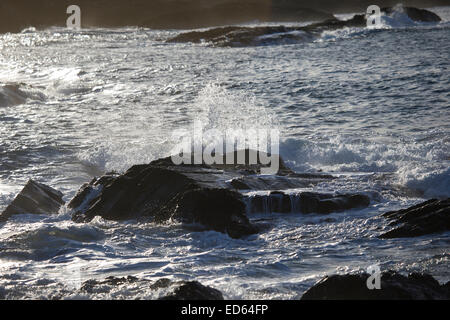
[{"x": 371, "y": 106}]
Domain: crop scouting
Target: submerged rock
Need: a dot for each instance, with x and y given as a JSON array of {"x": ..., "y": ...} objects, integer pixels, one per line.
[
  {"x": 92, "y": 286},
  {"x": 178, "y": 290},
  {"x": 194, "y": 290},
  {"x": 36, "y": 198},
  {"x": 394, "y": 286},
  {"x": 431, "y": 216}
]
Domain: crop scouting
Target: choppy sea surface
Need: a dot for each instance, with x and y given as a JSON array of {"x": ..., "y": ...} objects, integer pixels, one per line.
[{"x": 371, "y": 106}]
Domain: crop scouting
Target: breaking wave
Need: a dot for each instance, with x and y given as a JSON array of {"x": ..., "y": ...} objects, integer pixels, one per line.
[{"x": 17, "y": 93}]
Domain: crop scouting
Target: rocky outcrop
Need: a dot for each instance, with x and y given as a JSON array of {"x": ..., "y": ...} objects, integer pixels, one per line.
[
  {"x": 36, "y": 198},
  {"x": 306, "y": 202},
  {"x": 163, "y": 193},
  {"x": 431, "y": 216},
  {"x": 237, "y": 36},
  {"x": 394, "y": 286},
  {"x": 203, "y": 194},
  {"x": 194, "y": 290}
]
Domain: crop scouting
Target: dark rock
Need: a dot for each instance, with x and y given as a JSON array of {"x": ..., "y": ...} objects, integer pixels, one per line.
[
  {"x": 326, "y": 203},
  {"x": 415, "y": 14},
  {"x": 161, "y": 283},
  {"x": 237, "y": 36},
  {"x": 36, "y": 198},
  {"x": 90, "y": 286},
  {"x": 275, "y": 201},
  {"x": 193, "y": 290},
  {"x": 180, "y": 290},
  {"x": 141, "y": 191},
  {"x": 188, "y": 193},
  {"x": 246, "y": 168},
  {"x": 218, "y": 209},
  {"x": 431, "y": 216},
  {"x": 238, "y": 184},
  {"x": 394, "y": 286},
  {"x": 306, "y": 202},
  {"x": 179, "y": 192}
]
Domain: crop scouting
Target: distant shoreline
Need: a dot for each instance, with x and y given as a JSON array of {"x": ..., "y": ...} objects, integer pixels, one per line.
[{"x": 18, "y": 15}]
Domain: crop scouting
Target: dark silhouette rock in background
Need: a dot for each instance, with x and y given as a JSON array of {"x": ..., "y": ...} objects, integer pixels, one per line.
[
  {"x": 394, "y": 286},
  {"x": 416, "y": 14},
  {"x": 431, "y": 216},
  {"x": 36, "y": 198},
  {"x": 238, "y": 36}
]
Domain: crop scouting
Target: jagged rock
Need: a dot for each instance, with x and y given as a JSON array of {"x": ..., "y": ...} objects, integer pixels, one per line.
[
  {"x": 431, "y": 216},
  {"x": 188, "y": 193},
  {"x": 36, "y": 198},
  {"x": 394, "y": 286},
  {"x": 306, "y": 202},
  {"x": 141, "y": 191},
  {"x": 163, "y": 193},
  {"x": 193, "y": 290}
]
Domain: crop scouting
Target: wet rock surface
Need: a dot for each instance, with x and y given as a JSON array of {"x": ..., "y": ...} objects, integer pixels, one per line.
[
  {"x": 429, "y": 217},
  {"x": 394, "y": 286},
  {"x": 237, "y": 36},
  {"x": 188, "y": 193},
  {"x": 35, "y": 198},
  {"x": 218, "y": 209},
  {"x": 306, "y": 202}
]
